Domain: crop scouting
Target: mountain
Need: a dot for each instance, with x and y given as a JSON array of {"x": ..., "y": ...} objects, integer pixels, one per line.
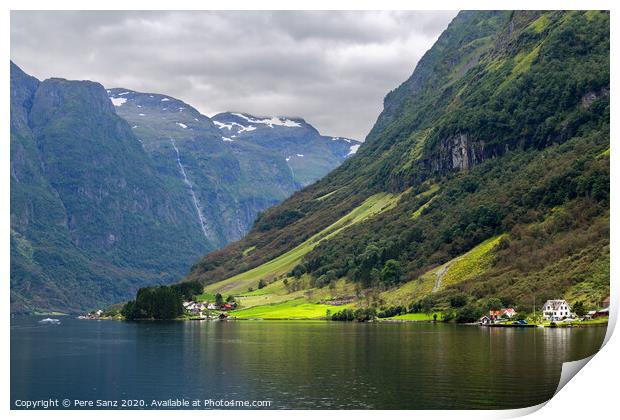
[
  {"x": 90, "y": 217},
  {"x": 233, "y": 177},
  {"x": 114, "y": 190},
  {"x": 308, "y": 154},
  {"x": 485, "y": 176}
]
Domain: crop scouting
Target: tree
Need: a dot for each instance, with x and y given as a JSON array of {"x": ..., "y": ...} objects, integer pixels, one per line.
[
  {"x": 579, "y": 308},
  {"x": 468, "y": 313},
  {"x": 130, "y": 311},
  {"x": 261, "y": 284},
  {"x": 507, "y": 301},
  {"x": 415, "y": 307},
  {"x": 219, "y": 299},
  {"x": 493, "y": 304},
  {"x": 427, "y": 304},
  {"x": 365, "y": 314},
  {"x": 391, "y": 272},
  {"x": 168, "y": 303},
  {"x": 448, "y": 316},
  {"x": 458, "y": 301},
  {"x": 159, "y": 302},
  {"x": 230, "y": 298},
  {"x": 188, "y": 289}
]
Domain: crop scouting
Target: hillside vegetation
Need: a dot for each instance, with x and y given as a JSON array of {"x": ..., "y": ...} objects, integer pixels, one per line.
[{"x": 497, "y": 148}]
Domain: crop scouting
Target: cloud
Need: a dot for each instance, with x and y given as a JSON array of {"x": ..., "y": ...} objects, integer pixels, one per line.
[{"x": 332, "y": 68}]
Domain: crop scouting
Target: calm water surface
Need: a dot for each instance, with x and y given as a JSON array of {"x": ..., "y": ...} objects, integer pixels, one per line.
[{"x": 294, "y": 364}]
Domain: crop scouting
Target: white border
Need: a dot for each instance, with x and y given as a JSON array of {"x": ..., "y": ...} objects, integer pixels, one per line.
[{"x": 590, "y": 395}]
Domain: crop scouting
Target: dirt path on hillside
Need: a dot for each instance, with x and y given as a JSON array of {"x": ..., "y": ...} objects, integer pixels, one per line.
[{"x": 441, "y": 273}]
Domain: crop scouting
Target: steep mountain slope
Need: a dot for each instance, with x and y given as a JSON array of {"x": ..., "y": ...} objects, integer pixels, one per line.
[
  {"x": 233, "y": 173},
  {"x": 90, "y": 218},
  {"x": 492, "y": 161}
]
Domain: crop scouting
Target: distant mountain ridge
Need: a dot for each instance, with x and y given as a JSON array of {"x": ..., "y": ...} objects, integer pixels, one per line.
[
  {"x": 308, "y": 153},
  {"x": 234, "y": 172},
  {"x": 112, "y": 190}
]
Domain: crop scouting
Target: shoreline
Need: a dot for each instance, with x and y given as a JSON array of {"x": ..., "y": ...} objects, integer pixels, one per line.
[
  {"x": 375, "y": 321},
  {"x": 576, "y": 324}
]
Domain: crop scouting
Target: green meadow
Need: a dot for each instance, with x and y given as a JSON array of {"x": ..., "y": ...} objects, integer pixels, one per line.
[{"x": 292, "y": 309}]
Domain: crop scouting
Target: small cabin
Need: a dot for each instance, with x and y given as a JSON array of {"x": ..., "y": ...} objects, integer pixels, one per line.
[{"x": 601, "y": 312}]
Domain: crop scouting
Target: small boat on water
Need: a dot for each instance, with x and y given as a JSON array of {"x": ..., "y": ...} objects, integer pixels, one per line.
[{"x": 52, "y": 321}]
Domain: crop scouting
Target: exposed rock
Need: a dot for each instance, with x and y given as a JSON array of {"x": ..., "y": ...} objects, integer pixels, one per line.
[
  {"x": 590, "y": 97},
  {"x": 457, "y": 152}
]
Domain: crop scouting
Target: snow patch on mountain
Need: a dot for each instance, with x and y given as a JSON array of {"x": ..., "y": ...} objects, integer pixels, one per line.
[
  {"x": 222, "y": 125},
  {"x": 165, "y": 100},
  {"x": 181, "y": 125},
  {"x": 353, "y": 149},
  {"x": 118, "y": 101},
  {"x": 284, "y": 122},
  {"x": 226, "y": 139},
  {"x": 229, "y": 126}
]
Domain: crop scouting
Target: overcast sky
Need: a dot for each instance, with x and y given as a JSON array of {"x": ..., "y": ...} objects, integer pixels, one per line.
[{"x": 331, "y": 68}]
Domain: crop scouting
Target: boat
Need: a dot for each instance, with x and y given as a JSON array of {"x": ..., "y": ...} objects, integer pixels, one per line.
[{"x": 52, "y": 321}]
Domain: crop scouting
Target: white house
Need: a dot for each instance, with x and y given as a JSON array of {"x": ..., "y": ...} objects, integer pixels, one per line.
[{"x": 555, "y": 310}]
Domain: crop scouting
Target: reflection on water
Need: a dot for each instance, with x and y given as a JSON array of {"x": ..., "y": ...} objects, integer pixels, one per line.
[{"x": 295, "y": 364}]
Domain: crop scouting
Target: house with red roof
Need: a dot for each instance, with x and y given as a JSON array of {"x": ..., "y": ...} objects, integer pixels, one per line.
[{"x": 504, "y": 312}]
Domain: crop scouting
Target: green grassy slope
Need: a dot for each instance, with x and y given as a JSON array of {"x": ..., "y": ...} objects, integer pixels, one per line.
[
  {"x": 285, "y": 262},
  {"x": 297, "y": 308}
]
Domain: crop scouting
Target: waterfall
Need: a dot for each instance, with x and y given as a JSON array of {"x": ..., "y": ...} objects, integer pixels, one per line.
[
  {"x": 201, "y": 218},
  {"x": 290, "y": 169}
]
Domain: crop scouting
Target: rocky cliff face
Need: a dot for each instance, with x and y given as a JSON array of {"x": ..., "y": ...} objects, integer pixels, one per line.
[{"x": 458, "y": 152}]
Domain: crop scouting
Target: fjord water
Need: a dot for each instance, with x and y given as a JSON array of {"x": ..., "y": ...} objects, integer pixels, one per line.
[{"x": 294, "y": 364}]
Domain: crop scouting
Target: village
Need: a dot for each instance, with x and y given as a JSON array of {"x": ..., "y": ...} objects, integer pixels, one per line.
[
  {"x": 198, "y": 307},
  {"x": 209, "y": 310},
  {"x": 554, "y": 313}
]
